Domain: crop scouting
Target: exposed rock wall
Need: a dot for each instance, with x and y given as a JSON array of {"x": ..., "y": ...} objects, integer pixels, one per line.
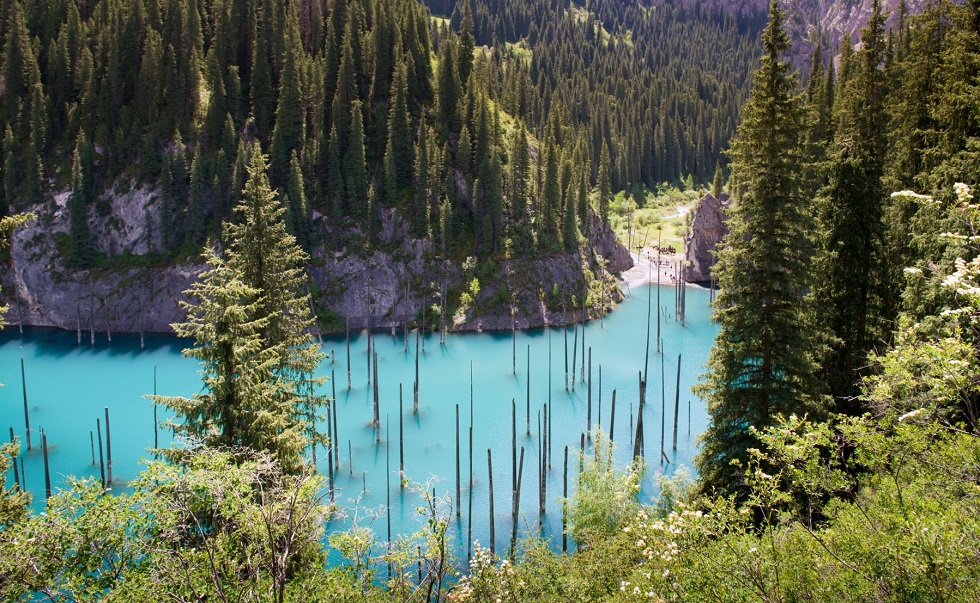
[
  {"x": 382, "y": 287},
  {"x": 707, "y": 229},
  {"x": 808, "y": 20},
  {"x": 42, "y": 290},
  {"x": 387, "y": 286}
]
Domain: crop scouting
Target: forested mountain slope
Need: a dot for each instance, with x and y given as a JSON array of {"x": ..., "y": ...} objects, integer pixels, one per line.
[
  {"x": 400, "y": 143},
  {"x": 824, "y": 22}
]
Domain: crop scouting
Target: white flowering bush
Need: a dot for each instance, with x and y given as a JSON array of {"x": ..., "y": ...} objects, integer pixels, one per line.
[
  {"x": 933, "y": 363},
  {"x": 489, "y": 579}
]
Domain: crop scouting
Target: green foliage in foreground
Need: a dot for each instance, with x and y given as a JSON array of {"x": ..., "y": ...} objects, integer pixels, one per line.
[
  {"x": 883, "y": 507},
  {"x": 857, "y": 509}
]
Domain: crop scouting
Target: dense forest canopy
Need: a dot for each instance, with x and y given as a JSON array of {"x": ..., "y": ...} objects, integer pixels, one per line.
[
  {"x": 484, "y": 132},
  {"x": 842, "y": 461}
]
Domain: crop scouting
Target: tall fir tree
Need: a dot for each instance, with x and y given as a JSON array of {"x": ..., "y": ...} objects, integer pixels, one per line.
[
  {"x": 852, "y": 284},
  {"x": 297, "y": 215},
  {"x": 355, "y": 167},
  {"x": 569, "y": 228},
  {"x": 287, "y": 136},
  {"x": 491, "y": 204},
  {"x": 252, "y": 329},
  {"x": 398, "y": 154},
  {"x": 518, "y": 189},
  {"x": 551, "y": 202},
  {"x": 33, "y": 183},
  {"x": 239, "y": 406},
  {"x": 336, "y": 192},
  {"x": 347, "y": 91},
  {"x": 269, "y": 260},
  {"x": 420, "y": 186},
  {"x": 20, "y": 69},
  {"x": 449, "y": 89},
  {"x": 83, "y": 250},
  {"x": 198, "y": 206},
  {"x": 262, "y": 89},
  {"x": 765, "y": 359},
  {"x": 603, "y": 185},
  {"x": 467, "y": 43},
  {"x": 10, "y": 178},
  {"x": 718, "y": 184}
]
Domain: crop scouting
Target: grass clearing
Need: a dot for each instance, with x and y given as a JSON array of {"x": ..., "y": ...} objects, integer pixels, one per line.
[{"x": 665, "y": 213}]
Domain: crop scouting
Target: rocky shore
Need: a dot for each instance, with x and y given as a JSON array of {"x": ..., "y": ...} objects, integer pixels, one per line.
[{"x": 134, "y": 293}]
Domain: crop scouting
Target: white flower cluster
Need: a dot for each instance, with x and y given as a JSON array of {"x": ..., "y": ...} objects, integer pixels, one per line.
[
  {"x": 963, "y": 193},
  {"x": 911, "y": 415},
  {"x": 913, "y": 196},
  {"x": 964, "y": 279},
  {"x": 665, "y": 533},
  {"x": 485, "y": 578}
]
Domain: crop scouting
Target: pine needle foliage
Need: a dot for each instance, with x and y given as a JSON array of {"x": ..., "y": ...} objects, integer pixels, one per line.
[
  {"x": 765, "y": 359},
  {"x": 251, "y": 324}
]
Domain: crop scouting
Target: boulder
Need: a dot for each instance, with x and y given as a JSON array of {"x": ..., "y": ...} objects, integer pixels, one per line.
[{"x": 707, "y": 229}]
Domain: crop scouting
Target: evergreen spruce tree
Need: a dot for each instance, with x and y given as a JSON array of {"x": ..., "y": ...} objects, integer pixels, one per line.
[
  {"x": 262, "y": 91},
  {"x": 464, "y": 151},
  {"x": 603, "y": 184},
  {"x": 214, "y": 120},
  {"x": 167, "y": 207},
  {"x": 466, "y": 45},
  {"x": 36, "y": 146},
  {"x": 851, "y": 283},
  {"x": 251, "y": 325},
  {"x": 197, "y": 209},
  {"x": 149, "y": 87},
  {"x": 718, "y": 184},
  {"x": 297, "y": 216},
  {"x": 335, "y": 181},
  {"x": 240, "y": 406},
  {"x": 178, "y": 192},
  {"x": 445, "y": 227},
  {"x": 816, "y": 97},
  {"x": 551, "y": 206},
  {"x": 287, "y": 136},
  {"x": 83, "y": 251},
  {"x": 420, "y": 192},
  {"x": 355, "y": 167},
  {"x": 449, "y": 89},
  {"x": 19, "y": 69},
  {"x": 569, "y": 234},
  {"x": 765, "y": 359},
  {"x": 518, "y": 189},
  {"x": 382, "y": 36},
  {"x": 10, "y": 178},
  {"x": 347, "y": 91},
  {"x": 583, "y": 202},
  {"x": 491, "y": 197},
  {"x": 398, "y": 154},
  {"x": 267, "y": 257}
]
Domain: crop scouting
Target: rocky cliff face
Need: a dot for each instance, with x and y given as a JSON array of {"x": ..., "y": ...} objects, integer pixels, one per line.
[
  {"x": 808, "y": 21},
  {"x": 383, "y": 287},
  {"x": 42, "y": 290},
  {"x": 390, "y": 285},
  {"x": 707, "y": 229}
]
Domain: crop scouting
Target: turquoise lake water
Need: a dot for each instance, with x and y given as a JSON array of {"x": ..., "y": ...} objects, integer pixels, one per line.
[{"x": 68, "y": 386}]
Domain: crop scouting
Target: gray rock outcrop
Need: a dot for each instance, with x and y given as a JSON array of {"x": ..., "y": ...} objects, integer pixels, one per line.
[
  {"x": 707, "y": 229},
  {"x": 388, "y": 286},
  {"x": 808, "y": 20},
  {"x": 383, "y": 286},
  {"x": 42, "y": 290}
]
